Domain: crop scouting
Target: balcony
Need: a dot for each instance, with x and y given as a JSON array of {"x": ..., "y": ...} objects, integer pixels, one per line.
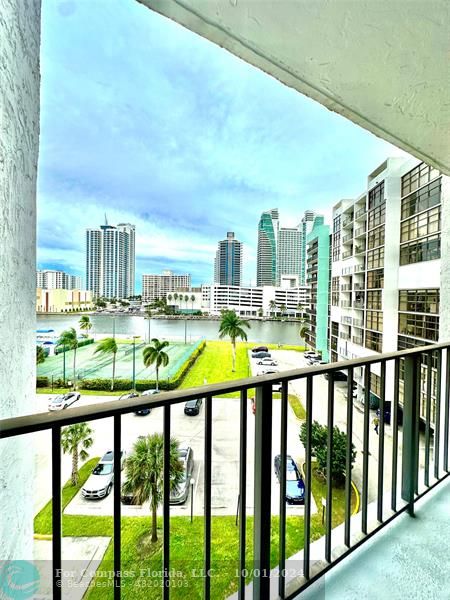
[
  {"x": 360, "y": 249},
  {"x": 346, "y": 287},
  {"x": 361, "y": 213},
  {"x": 347, "y": 238},
  {"x": 344, "y": 336},
  {"x": 357, "y": 340},
  {"x": 391, "y": 482},
  {"x": 345, "y": 304},
  {"x": 346, "y": 320},
  {"x": 358, "y": 323},
  {"x": 348, "y": 220},
  {"x": 358, "y": 286},
  {"x": 360, "y": 232}
]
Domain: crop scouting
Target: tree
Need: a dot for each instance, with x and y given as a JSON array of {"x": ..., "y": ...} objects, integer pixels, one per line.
[
  {"x": 319, "y": 447},
  {"x": 169, "y": 297},
  {"x": 144, "y": 472},
  {"x": 40, "y": 355},
  {"x": 155, "y": 354},
  {"x": 192, "y": 302},
  {"x": 260, "y": 312},
  {"x": 283, "y": 309},
  {"x": 232, "y": 326},
  {"x": 303, "y": 328},
  {"x": 69, "y": 338},
  {"x": 85, "y": 324},
  {"x": 99, "y": 303},
  {"x": 109, "y": 346},
  {"x": 72, "y": 437},
  {"x": 272, "y": 306}
]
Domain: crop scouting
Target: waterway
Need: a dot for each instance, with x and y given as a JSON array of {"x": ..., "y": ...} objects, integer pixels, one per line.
[{"x": 271, "y": 332}]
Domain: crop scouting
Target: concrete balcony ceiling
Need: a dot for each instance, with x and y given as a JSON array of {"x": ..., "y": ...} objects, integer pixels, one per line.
[{"x": 383, "y": 65}]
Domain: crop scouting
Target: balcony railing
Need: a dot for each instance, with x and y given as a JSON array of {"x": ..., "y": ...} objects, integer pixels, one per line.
[
  {"x": 360, "y": 231},
  {"x": 348, "y": 220},
  {"x": 346, "y": 320},
  {"x": 347, "y": 254},
  {"x": 358, "y": 322},
  {"x": 347, "y": 238},
  {"x": 357, "y": 340},
  {"x": 408, "y": 479},
  {"x": 345, "y": 304},
  {"x": 360, "y": 213},
  {"x": 344, "y": 336}
]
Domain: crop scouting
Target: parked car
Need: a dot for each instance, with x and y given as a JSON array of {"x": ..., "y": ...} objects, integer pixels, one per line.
[
  {"x": 128, "y": 395},
  {"x": 277, "y": 387},
  {"x": 100, "y": 482},
  {"x": 337, "y": 376},
  {"x": 148, "y": 410},
  {"x": 319, "y": 363},
  {"x": 260, "y": 349},
  {"x": 295, "y": 486},
  {"x": 63, "y": 401},
  {"x": 262, "y": 354},
  {"x": 308, "y": 353},
  {"x": 267, "y": 372},
  {"x": 192, "y": 407},
  {"x": 267, "y": 361},
  {"x": 313, "y": 358},
  {"x": 181, "y": 492}
]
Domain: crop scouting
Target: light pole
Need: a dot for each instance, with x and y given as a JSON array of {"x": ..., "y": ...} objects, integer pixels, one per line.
[
  {"x": 185, "y": 330},
  {"x": 192, "y": 498},
  {"x": 149, "y": 324},
  {"x": 134, "y": 361},
  {"x": 64, "y": 365},
  {"x": 114, "y": 326}
]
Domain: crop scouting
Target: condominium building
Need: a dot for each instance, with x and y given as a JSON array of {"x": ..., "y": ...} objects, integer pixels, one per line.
[
  {"x": 305, "y": 227},
  {"x": 256, "y": 301},
  {"x": 53, "y": 280},
  {"x": 386, "y": 269},
  {"x": 110, "y": 260},
  {"x": 266, "y": 260},
  {"x": 228, "y": 263},
  {"x": 155, "y": 287},
  {"x": 289, "y": 249},
  {"x": 318, "y": 276}
]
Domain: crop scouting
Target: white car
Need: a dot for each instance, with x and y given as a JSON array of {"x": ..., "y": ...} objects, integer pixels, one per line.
[
  {"x": 270, "y": 362},
  {"x": 63, "y": 401},
  {"x": 267, "y": 372},
  {"x": 100, "y": 482}
]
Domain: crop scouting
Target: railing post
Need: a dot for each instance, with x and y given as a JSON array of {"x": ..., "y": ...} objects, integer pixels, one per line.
[
  {"x": 410, "y": 450},
  {"x": 262, "y": 490}
]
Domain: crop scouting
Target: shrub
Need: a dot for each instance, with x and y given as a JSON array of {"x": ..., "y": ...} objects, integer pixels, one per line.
[{"x": 41, "y": 382}]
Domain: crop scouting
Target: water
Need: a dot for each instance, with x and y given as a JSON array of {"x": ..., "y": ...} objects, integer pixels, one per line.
[{"x": 270, "y": 332}]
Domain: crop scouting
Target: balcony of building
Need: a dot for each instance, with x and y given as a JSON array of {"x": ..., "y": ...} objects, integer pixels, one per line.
[
  {"x": 361, "y": 214},
  {"x": 360, "y": 232}
]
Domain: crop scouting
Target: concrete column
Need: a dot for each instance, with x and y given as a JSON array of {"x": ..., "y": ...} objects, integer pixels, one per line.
[
  {"x": 444, "y": 319},
  {"x": 19, "y": 142}
]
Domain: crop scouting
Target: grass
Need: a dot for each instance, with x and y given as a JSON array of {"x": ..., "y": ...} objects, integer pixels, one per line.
[{"x": 297, "y": 407}]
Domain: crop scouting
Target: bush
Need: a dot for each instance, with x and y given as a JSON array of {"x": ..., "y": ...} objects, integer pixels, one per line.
[
  {"x": 319, "y": 448},
  {"x": 81, "y": 343},
  {"x": 144, "y": 384},
  {"x": 41, "y": 382}
]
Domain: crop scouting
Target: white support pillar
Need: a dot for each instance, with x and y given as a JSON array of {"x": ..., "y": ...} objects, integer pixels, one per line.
[
  {"x": 19, "y": 143},
  {"x": 444, "y": 318}
]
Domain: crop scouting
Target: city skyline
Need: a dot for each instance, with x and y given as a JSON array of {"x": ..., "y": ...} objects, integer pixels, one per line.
[{"x": 217, "y": 144}]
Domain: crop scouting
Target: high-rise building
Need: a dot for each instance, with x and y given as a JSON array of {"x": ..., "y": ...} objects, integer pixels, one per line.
[
  {"x": 289, "y": 253},
  {"x": 306, "y": 225},
  {"x": 266, "y": 267},
  {"x": 318, "y": 275},
  {"x": 156, "y": 287},
  {"x": 110, "y": 260},
  {"x": 228, "y": 263},
  {"x": 386, "y": 249},
  {"x": 57, "y": 280}
]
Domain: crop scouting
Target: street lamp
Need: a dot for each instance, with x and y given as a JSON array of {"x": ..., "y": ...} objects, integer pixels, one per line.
[
  {"x": 192, "y": 498},
  {"x": 114, "y": 326},
  {"x": 134, "y": 361}
]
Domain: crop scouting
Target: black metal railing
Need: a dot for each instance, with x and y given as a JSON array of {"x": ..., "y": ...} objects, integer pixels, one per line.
[{"x": 388, "y": 501}]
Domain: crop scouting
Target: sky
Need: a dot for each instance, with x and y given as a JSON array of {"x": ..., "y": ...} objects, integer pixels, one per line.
[{"x": 148, "y": 123}]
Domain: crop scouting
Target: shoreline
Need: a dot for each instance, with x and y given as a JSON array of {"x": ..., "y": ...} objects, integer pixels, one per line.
[{"x": 169, "y": 317}]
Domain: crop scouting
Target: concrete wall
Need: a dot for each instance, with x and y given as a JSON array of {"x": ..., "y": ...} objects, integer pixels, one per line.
[{"x": 19, "y": 139}]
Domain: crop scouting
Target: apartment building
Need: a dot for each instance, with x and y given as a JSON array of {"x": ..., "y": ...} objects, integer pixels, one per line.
[
  {"x": 255, "y": 301},
  {"x": 228, "y": 263},
  {"x": 155, "y": 287},
  {"x": 57, "y": 280},
  {"x": 386, "y": 268}
]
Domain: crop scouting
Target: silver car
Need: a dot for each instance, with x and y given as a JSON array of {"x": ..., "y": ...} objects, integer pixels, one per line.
[
  {"x": 100, "y": 482},
  {"x": 63, "y": 401},
  {"x": 181, "y": 492}
]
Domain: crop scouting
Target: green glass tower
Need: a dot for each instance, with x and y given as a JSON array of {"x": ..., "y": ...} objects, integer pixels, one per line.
[{"x": 266, "y": 266}]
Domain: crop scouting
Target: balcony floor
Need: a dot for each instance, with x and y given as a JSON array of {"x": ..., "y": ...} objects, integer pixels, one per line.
[{"x": 409, "y": 559}]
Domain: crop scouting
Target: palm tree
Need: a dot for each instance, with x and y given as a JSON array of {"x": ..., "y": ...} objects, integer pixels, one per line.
[
  {"x": 169, "y": 297},
  {"x": 303, "y": 328},
  {"x": 69, "y": 338},
  {"x": 283, "y": 308},
  {"x": 231, "y": 325},
  {"x": 109, "y": 346},
  {"x": 272, "y": 306},
  {"x": 186, "y": 299},
  {"x": 155, "y": 354},
  {"x": 300, "y": 309},
  {"x": 40, "y": 355},
  {"x": 192, "y": 302},
  {"x": 144, "y": 470},
  {"x": 85, "y": 324},
  {"x": 71, "y": 438}
]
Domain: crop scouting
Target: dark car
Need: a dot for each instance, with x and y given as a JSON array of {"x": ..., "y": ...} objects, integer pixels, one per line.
[
  {"x": 313, "y": 358},
  {"x": 181, "y": 492},
  {"x": 337, "y": 376},
  {"x": 261, "y": 354},
  {"x": 260, "y": 349},
  {"x": 295, "y": 486},
  {"x": 192, "y": 407},
  {"x": 146, "y": 411}
]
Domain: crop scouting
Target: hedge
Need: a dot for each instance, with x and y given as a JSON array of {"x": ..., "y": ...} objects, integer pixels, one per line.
[
  {"x": 41, "y": 382},
  {"x": 144, "y": 384},
  {"x": 81, "y": 343}
]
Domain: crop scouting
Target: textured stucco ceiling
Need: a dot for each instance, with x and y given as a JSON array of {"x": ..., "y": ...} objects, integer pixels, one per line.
[{"x": 381, "y": 63}]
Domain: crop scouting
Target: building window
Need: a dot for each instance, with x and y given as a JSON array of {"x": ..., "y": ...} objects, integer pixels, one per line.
[
  {"x": 422, "y": 199},
  {"x": 375, "y": 279},
  {"x": 377, "y": 216},
  {"x": 374, "y": 320},
  {"x": 419, "y": 301},
  {"x": 421, "y": 251},
  {"x": 375, "y": 258},
  {"x": 375, "y": 384},
  {"x": 374, "y": 300},
  {"x": 418, "y": 177},
  {"x": 375, "y": 238},
  {"x": 421, "y": 326},
  {"x": 374, "y": 341},
  {"x": 426, "y": 223},
  {"x": 376, "y": 195},
  {"x": 334, "y": 328}
]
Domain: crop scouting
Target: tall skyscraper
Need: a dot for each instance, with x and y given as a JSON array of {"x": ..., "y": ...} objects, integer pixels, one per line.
[
  {"x": 289, "y": 253},
  {"x": 266, "y": 265},
  {"x": 110, "y": 260},
  {"x": 306, "y": 226},
  {"x": 228, "y": 264}
]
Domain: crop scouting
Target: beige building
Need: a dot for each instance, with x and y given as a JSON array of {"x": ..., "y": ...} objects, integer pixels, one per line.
[{"x": 58, "y": 300}]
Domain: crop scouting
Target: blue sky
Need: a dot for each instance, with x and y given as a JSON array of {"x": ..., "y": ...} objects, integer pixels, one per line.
[{"x": 153, "y": 125}]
